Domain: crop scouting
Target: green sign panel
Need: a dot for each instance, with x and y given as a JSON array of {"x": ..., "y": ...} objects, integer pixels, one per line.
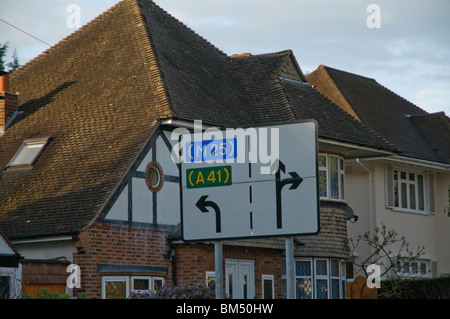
[{"x": 208, "y": 176}]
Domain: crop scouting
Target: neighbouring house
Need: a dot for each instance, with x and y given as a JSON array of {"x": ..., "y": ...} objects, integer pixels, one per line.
[
  {"x": 408, "y": 192},
  {"x": 10, "y": 274},
  {"x": 86, "y": 175}
]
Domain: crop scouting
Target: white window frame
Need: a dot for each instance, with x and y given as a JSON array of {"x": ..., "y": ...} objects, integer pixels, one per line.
[
  {"x": 208, "y": 276},
  {"x": 322, "y": 277},
  {"x": 395, "y": 191},
  {"x": 148, "y": 278},
  {"x": 340, "y": 177},
  {"x": 155, "y": 278},
  {"x": 314, "y": 276},
  {"x": 272, "y": 280},
  {"x": 405, "y": 268},
  {"x": 40, "y": 143}
]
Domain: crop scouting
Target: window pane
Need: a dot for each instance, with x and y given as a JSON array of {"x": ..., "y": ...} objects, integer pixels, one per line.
[
  {"x": 323, "y": 184},
  {"x": 403, "y": 175},
  {"x": 4, "y": 287},
  {"x": 414, "y": 268},
  {"x": 420, "y": 192},
  {"x": 335, "y": 268},
  {"x": 115, "y": 290},
  {"x": 303, "y": 288},
  {"x": 141, "y": 284},
  {"x": 423, "y": 268},
  {"x": 404, "y": 195},
  {"x": 412, "y": 196},
  {"x": 342, "y": 186},
  {"x": 268, "y": 289},
  {"x": 334, "y": 177},
  {"x": 303, "y": 268},
  {"x": 322, "y": 161},
  {"x": 158, "y": 283},
  {"x": 322, "y": 288},
  {"x": 335, "y": 288},
  {"x": 396, "y": 189},
  {"x": 27, "y": 154},
  {"x": 321, "y": 268}
]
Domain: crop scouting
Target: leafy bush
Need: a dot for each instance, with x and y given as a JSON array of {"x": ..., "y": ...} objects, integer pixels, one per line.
[
  {"x": 44, "y": 293},
  {"x": 192, "y": 290}
]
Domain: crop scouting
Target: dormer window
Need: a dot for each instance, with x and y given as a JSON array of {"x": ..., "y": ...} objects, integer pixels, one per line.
[{"x": 28, "y": 153}]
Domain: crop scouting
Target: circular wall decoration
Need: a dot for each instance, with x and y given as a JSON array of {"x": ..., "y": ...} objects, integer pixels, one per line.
[{"x": 154, "y": 177}]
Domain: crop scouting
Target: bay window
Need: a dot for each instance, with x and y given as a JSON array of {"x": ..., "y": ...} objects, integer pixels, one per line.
[{"x": 317, "y": 278}]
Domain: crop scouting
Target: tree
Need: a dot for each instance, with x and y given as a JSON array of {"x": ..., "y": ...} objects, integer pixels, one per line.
[
  {"x": 3, "y": 49},
  {"x": 14, "y": 65},
  {"x": 387, "y": 249}
]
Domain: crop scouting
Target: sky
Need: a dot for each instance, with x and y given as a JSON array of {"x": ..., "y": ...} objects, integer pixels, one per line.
[{"x": 403, "y": 44}]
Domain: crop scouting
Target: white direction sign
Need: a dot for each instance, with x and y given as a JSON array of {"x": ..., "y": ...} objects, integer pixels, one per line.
[{"x": 254, "y": 182}]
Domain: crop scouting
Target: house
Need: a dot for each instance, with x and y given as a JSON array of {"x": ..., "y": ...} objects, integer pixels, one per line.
[
  {"x": 9, "y": 268},
  {"x": 407, "y": 192},
  {"x": 86, "y": 176}
]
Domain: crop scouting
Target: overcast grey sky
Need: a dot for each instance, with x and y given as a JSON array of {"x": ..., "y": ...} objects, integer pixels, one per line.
[{"x": 409, "y": 53}]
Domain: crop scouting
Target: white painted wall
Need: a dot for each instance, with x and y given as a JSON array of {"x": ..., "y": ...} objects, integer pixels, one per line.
[{"x": 429, "y": 230}]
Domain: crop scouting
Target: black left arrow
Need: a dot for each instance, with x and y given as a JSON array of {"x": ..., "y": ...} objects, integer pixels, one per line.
[{"x": 202, "y": 203}]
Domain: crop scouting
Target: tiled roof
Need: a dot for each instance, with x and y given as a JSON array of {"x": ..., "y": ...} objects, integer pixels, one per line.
[
  {"x": 273, "y": 98},
  {"x": 99, "y": 93},
  {"x": 385, "y": 112}
]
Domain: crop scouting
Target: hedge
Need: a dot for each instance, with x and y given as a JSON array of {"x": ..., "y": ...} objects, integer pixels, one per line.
[{"x": 424, "y": 288}]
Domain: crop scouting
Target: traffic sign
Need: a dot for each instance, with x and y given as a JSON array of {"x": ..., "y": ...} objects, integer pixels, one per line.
[{"x": 240, "y": 195}]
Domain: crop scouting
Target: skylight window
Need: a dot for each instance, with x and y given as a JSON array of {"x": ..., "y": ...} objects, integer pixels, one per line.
[{"x": 28, "y": 153}]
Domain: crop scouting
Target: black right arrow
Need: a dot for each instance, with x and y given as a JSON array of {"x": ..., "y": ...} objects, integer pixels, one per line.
[
  {"x": 295, "y": 180},
  {"x": 202, "y": 203}
]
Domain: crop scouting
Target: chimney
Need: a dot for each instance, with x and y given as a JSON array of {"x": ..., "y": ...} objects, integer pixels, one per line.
[{"x": 8, "y": 103}]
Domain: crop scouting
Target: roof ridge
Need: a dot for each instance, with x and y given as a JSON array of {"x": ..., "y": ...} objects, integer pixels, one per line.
[
  {"x": 375, "y": 81},
  {"x": 183, "y": 24},
  {"x": 358, "y": 122},
  {"x": 401, "y": 97},
  {"x": 150, "y": 52},
  {"x": 71, "y": 35}
]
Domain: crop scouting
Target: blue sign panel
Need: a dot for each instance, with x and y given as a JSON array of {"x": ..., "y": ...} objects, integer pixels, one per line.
[{"x": 211, "y": 150}]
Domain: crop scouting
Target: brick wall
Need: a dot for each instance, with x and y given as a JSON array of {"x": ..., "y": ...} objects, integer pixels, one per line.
[
  {"x": 115, "y": 244},
  {"x": 8, "y": 106},
  {"x": 194, "y": 260}
]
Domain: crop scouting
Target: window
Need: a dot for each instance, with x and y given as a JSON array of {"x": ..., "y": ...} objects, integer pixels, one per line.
[
  {"x": 115, "y": 287},
  {"x": 211, "y": 279},
  {"x": 120, "y": 287},
  {"x": 28, "y": 153},
  {"x": 331, "y": 177},
  {"x": 303, "y": 279},
  {"x": 5, "y": 287},
  {"x": 321, "y": 271},
  {"x": 409, "y": 190},
  {"x": 319, "y": 278},
  {"x": 267, "y": 286},
  {"x": 415, "y": 268}
]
